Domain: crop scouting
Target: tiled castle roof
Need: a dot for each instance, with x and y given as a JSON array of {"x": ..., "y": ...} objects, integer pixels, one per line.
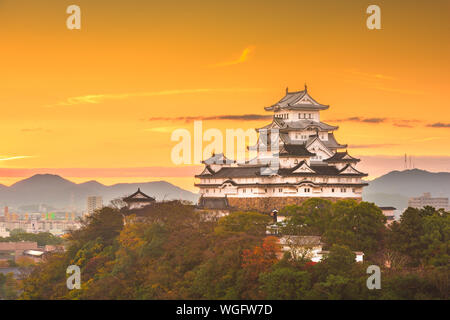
[
  {"x": 342, "y": 157},
  {"x": 298, "y": 100},
  {"x": 138, "y": 196},
  {"x": 255, "y": 171}
]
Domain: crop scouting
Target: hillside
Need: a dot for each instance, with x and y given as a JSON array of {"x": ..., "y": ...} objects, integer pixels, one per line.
[
  {"x": 55, "y": 191},
  {"x": 394, "y": 188}
]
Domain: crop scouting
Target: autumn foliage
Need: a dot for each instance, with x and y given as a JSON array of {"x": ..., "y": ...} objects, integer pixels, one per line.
[{"x": 170, "y": 251}]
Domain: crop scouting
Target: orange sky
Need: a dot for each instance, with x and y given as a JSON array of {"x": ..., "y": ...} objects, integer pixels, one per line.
[{"x": 76, "y": 101}]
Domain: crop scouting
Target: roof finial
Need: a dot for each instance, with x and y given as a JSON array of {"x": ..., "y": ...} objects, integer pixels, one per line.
[
  {"x": 287, "y": 90},
  {"x": 306, "y": 87}
]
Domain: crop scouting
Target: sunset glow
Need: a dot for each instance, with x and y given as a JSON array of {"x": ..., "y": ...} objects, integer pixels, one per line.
[{"x": 101, "y": 102}]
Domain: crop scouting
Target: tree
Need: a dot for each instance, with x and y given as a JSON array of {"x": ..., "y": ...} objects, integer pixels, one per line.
[
  {"x": 360, "y": 226},
  {"x": 257, "y": 261},
  {"x": 249, "y": 222},
  {"x": 339, "y": 261},
  {"x": 311, "y": 218},
  {"x": 104, "y": 224},
  {"x": 42, "y": 238},
  {"x": 423, "y": 235},
  {"x": 338, "y": 276},
  {"x": 285, "y": 283},
  {"x": 169, "y": 251},
  {"x": 8, "y": 286},
  {"x": 436, "y": 239}
]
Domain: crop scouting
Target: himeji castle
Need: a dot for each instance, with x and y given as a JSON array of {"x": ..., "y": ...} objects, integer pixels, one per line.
[{"x": 310, "y": 163}]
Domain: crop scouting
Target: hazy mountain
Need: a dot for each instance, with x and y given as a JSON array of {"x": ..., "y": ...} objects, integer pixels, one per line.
[
  {"x": 55, "y": 191},
  {"x": 394, "y": 188}
]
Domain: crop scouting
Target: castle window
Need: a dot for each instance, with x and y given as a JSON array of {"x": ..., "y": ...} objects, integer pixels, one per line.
[
  {"x": 343, "y": 190},
  {"x": 280, "y": 190},
  {"x": 332, "y": 189},
  {"x": 265, "y": 190},
  {"x": 244, "y": 190},
  {"x": 207, "y": 190}
]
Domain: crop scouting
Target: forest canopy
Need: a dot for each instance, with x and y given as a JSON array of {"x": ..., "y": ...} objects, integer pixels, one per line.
[{"x": 175, "y": 252}]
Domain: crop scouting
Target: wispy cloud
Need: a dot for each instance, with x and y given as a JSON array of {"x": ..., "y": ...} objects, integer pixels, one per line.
[
  {"x": 439, "y": 125},
  {"x": 7, "y": 158},
  {"x": 405, "y": 123},
  {"x": 243, "y": 58},
  {"x": 396, "y": 90},
  {"x": 427, "y": 139},
  {"x": 157, "y": 171},
  {"x": 361, "y": 119},
  {"x": 370, "y": 146},
  {"x": 247, "y": 117},
  {"x": 370, "y": 75},
  {"x": 99, "y": 98},
  {"x": 162, "y": 129},
  {"x": 378, "y": 81},
  {"x": 401, "y": 123}
]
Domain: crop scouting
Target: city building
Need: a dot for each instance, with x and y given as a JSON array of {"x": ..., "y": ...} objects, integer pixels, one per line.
[
  {"x": 13, "y": 250},
  {"x": 94, "y": 203},
  {"x": 389, "y": 213},
  {"x": 308, "y": 247},
  {"x": 6, "y": 213},
  {"x": 3, "y": 232},
  {"x": 308, "y": 159},
  {"x": 35, "y": 255},
  {"x": 427, "y": 200},
  {"x": 138, "y": 200},
  {"x": 55, "y": 223}
]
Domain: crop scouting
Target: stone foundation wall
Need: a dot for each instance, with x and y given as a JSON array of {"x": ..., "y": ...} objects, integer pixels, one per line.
[{"x": 267, "y": 204}]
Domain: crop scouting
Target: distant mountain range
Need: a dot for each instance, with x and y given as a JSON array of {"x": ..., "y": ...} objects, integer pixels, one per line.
[
  {"x": 55, "y": 192},
  {"x": 396, "y": 187}
]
